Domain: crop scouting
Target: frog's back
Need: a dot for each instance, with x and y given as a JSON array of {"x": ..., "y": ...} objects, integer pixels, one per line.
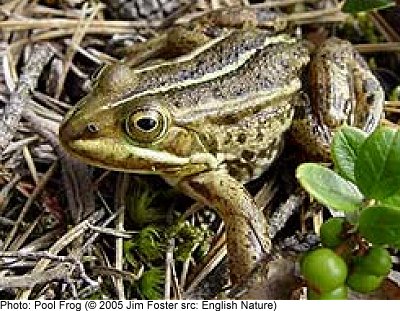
[
  {"x": 225, "y": 53},
  {"x": 241, "y": 116}
]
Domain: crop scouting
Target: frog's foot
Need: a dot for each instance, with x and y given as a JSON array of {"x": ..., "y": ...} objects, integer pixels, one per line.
[
  {"x": 246, "y": 227},
  {"x": 272, "y": 279},
  {"x": 177, "y": 41},
  {"x": 267, "y": 18},
  {"x": 342, "y": 90}
]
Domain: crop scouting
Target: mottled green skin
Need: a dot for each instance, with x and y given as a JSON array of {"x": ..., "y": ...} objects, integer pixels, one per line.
[{"x": 220, "y": 112}]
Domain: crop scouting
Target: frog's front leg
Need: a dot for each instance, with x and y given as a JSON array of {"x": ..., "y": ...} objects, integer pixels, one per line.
[{"x": 246, "y": 227}]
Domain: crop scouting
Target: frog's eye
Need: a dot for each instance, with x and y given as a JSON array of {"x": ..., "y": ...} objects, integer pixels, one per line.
[{"x": 146, "y": 125}]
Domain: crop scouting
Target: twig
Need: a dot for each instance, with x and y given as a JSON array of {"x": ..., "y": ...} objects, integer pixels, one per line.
[
  {"x": 219, "y": 252},
  {"x": 5, "y": 191},
  {"x": 392, "y": 103},
  {"x": 279, "y": 218},
  {"x": 384, "y": 27},
  {"x": 20, "y": 240},
  {"x": 30, "y": 163},
  {"x": 76, "y": 175},
  {"x": 61, "y": 243},
  {"x": 169, "y": 261},
  {"x": 28, "y": 203},
  {"x": 113, "y": 232},
  {"x": 37, "y": 255},
  {"x": 175, "y": 282},
  {"x": 105, "y": 223},
  {"x": 118, "y": 273},
  {"x": 9, "y": 121},
  {"x": 76, "y": 38},
  {"x": 14, "y": 146},
  {"x": 122, "y": 188},
  {"x": 61, "y": 23},
  {"x": 387, "y": 47},
  {"x": 278, "y": 3},
  {"x": 30, "y": 280}
]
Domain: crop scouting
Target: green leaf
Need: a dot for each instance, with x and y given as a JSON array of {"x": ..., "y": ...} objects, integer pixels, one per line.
[
  {"x": 354, "y": 6},
  {"x": 377, "y": 168},
  {"x": 380, "y": 225},
  {"x": 149, "y": 243},
  {"x": 344, "y": 149},
  {"x": 329, "y": 188},
  {"x": 140, "y": 202},
  {"x": 393, "y": 200},
  {"x": 129, "y": 247},
  {"x": 151, "y": 284}
]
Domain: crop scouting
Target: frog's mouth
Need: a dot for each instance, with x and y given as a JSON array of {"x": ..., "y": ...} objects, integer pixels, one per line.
[{"x": 115, "y": 155}]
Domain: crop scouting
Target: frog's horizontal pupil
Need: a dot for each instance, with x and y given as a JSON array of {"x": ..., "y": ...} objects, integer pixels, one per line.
[{"x": 146, "y": 123}]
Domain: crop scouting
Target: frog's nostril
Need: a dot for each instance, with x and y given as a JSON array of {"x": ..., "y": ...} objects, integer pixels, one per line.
[{"x": 72, "y": 130}]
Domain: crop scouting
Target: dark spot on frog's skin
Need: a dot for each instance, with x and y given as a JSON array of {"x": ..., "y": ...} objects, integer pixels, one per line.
[
  {"x": 178, "y": 104},
  {"x": 284, "y": 64},
  {"x": 238, "y": 92},
  {"x": 370, "y": 99},
  {"x": 228, "y": 138},
  {"x": 229, "y": 119},
  {"x": 241, "y": 138},
  {"x": 248, "y": 155},
  {"x": 262, "y": 153},
  {"x": 200, "y": 63},
  {"x": 216, "y": 92}
]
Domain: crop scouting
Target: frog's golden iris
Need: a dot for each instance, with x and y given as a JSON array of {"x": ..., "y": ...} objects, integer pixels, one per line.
[{"x": 146, "y": 125}]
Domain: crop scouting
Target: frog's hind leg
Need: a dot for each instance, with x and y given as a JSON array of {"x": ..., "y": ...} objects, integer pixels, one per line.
[
  {"x": 270, "y": 19},
  {"x": 342, "y": 90},
  {"x": 307, "y": 132},
  {"x": 175, "y": 42},
  {"x": 370, "y": 96},
  {"x": 183, "y": 39}
]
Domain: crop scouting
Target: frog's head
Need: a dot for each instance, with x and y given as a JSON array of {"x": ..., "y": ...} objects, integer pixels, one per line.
[{"x": 133, "y": 135}]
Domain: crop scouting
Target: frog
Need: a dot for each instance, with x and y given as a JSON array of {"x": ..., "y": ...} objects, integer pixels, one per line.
[{"x": 207, "y": 107}]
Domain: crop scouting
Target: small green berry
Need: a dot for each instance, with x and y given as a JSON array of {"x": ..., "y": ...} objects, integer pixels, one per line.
[
  {"x": 364, "y": 283},
  {"x": 376, "y": 262},
  {"x": 323, "y": 269},
  {"x": 331, "y": 232}
]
